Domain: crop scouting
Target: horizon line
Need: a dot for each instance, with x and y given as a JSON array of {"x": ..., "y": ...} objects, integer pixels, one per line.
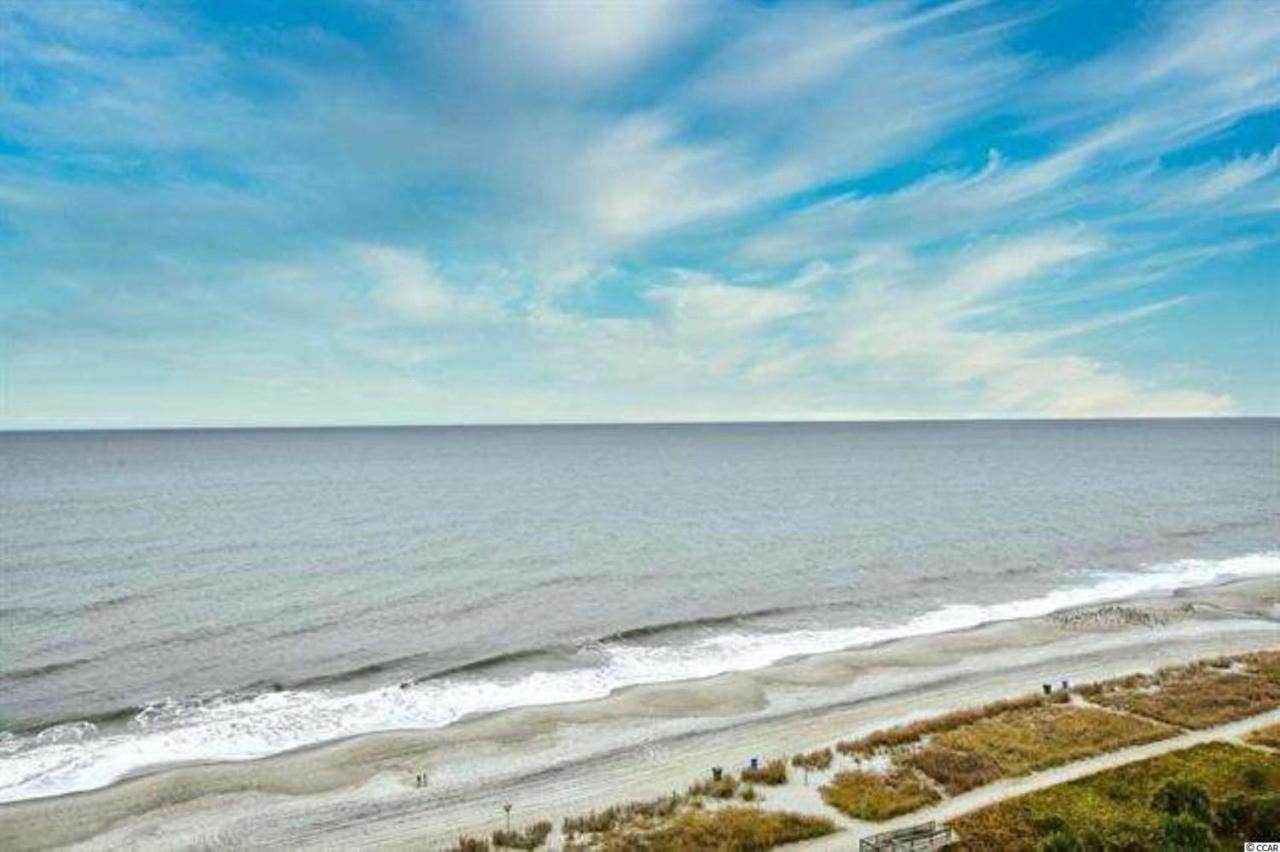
[{"x": 498, "y": 424}]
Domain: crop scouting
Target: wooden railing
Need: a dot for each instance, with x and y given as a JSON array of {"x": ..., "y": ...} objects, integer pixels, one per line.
[{"x": 925, "y": 837}]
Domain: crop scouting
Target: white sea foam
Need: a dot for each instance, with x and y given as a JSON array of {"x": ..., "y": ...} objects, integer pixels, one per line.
[{"x": 71, "y": 757}]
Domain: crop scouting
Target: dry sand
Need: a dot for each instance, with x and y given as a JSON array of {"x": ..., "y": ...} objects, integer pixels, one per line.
[{"x": 549, "y": 762}]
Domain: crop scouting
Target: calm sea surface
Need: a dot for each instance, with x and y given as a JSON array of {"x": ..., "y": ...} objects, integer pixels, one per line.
[{"x": 203, "y": 594}]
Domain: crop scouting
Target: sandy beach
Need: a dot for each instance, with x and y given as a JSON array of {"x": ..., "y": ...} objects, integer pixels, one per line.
[{"x": 558, "y": 760}]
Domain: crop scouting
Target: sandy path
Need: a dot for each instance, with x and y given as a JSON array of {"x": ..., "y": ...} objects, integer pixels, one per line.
[{"x": 566, "y": 759}]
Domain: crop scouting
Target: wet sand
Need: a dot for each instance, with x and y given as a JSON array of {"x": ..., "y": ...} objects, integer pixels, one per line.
[{"x": 552, "y": 761}]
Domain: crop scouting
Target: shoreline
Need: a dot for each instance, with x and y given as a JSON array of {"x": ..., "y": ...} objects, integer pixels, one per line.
[
  {"x": 286, "y": 721},
  {"x": 640, "y": 740}
]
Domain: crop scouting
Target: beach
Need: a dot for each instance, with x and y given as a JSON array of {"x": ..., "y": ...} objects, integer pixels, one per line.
[{"x": 553, "y": 761}]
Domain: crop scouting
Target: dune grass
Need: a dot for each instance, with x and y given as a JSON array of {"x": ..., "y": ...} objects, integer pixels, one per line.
[
  {"x": 1268, "y": 736},
  {"x": 611, "y": 817},
  {"x": 813, "y": 760},
  {"x": 724, "y": 788},
  {"x": 470, "y": 844},
  {"x": 1263, "y": 664},
  {"x": 914, "y": 732},
  {"x": 971, "y": 748},
  {"x": 531, "y": 837},
  {"x": 729, "y": 829},
  {"x": 1026, "y": 740},
  {"x": 878, "y": 796},
  {"x": 1199, "y": 695},
  {"x": 1227, "y": 790},
  {"x": 772, "y": 773}
]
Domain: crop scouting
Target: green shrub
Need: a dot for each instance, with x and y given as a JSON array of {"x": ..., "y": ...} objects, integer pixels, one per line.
[
  {"x": 1063, "y": 840},
  {"x": 1248, "y": 817},
  {"x": 1185, "y": 833},
  {"x": 1118, "y": 790},
  {"x": 1126, "y": 837},
  {"x": 1177, "y": 797}
]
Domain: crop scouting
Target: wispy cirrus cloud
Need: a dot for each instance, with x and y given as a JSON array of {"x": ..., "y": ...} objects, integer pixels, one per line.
[{"x": 657, "y": 210}]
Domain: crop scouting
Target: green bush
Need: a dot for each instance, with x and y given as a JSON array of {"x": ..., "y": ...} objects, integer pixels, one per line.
[
  {"x": 1126, "y": 837},
  {"x": 1063, "y": 840},
  {"x": 1185, "y": 833},
  {"x": 1177, "y": 797},
  {"x": 1248, "y": 817},
  {"x": 1118, "y": 790}
]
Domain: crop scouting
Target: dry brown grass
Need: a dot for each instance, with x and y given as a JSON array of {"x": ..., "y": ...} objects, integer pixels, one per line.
[
  {"x": 1268, "y": 736},
  {"x": 725, "y": 788},
  {"x": 616, "y": 815},
  {"x": 1026, "y": 740},
  {"x": 1200, "y": 695},
  {"x": 1264, "y": 664},
  {"x": 471, "y": 844},
  {"x": 915, "y": 731},
  {"x": 772, "y": 773},
  {"x": 876, "y": 796},
  {"x": 531, "y": 837},
  {"x": 732, "y": 829},
  {"x": 817, "y": 760}
]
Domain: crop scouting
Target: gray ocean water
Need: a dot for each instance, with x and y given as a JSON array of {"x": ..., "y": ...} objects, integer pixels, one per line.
[{"x": 225, "y": 594}]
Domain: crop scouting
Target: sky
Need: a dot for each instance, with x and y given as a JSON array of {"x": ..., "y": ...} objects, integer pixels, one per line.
[{"x": 250, "y": 213}]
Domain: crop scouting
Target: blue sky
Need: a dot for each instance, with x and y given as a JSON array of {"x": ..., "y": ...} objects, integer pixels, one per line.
[{"x": 282, "y": 213}]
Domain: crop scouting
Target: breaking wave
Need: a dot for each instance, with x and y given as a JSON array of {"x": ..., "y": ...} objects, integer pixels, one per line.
[{"x": 78, "y": 756}]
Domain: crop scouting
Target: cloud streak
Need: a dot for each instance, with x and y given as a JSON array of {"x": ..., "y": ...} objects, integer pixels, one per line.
[{"x": 651, "y": 210}]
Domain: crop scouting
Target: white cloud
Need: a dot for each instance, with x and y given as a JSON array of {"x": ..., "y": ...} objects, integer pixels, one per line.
[
  {"x": 703, "y": 306},
  {"x": 407, "y": 285},
  {"x": 927, "y": 332},
  {"x": 579, "y": 42}
]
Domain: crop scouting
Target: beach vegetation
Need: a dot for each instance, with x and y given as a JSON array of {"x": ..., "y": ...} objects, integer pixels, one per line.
[
  {"x": 1268, "y": 736},
  {"x": 772, "y": 773},
  {"x": 1026, "y": 740},
  {"x": 729, "y": 829},
  {"x": 748, "y": 793},
  {"x": 1178, "y": 796},
  {"x": 471, "y": 844},
  {"x": 610, "y": 817},
  {"x": 1198, "y": 695},
  {"x": 724, "y": 787},
  {"x": 1185, "y": 833},
  {"x": 1175, "y": 798},
  {"x": 531, "y": 837},
  {"x": 878, "y": 796},
  {"x": 914, "y": 732},
  {"x": 813, "y": 760},
  {"x": 1062, "y": 840}
]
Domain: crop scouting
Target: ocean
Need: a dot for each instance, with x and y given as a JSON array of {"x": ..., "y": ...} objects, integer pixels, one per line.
[{"x": 172, "y": 596}]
